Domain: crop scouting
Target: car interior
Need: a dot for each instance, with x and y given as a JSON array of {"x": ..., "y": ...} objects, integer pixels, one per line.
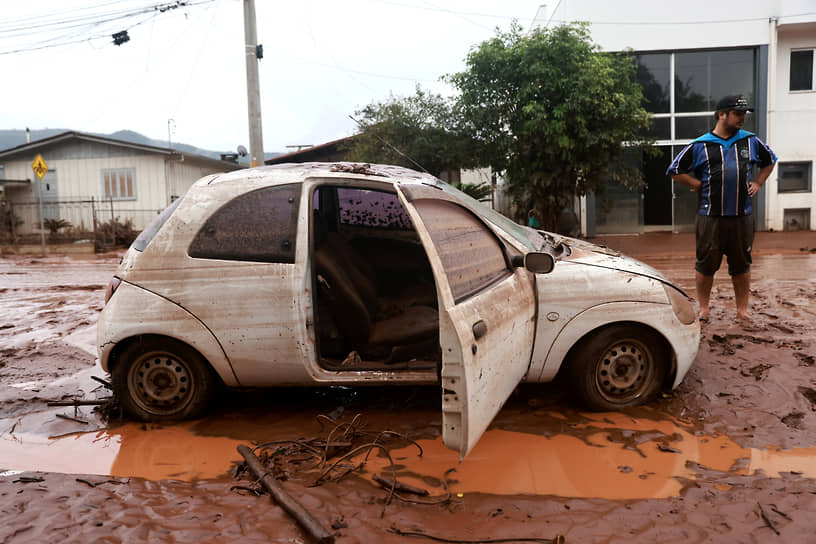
[{"x": 376, "y": 305}]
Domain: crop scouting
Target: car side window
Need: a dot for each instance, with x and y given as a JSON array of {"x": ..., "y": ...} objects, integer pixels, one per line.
[
  {"x": 472, "y": 256},
  {"x": 257, "y": 226}
]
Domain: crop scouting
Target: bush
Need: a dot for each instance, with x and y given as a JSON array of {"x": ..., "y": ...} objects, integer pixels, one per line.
[
  {"x": 54, "y": 226},
  {"x": 7, "y": 219},
  {"x": 116, "y": 233}
]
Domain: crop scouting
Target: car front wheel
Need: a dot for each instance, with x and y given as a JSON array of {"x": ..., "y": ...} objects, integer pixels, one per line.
[
  {"x": 160, "y": 379},
  {"x": 617, "y": 366}
]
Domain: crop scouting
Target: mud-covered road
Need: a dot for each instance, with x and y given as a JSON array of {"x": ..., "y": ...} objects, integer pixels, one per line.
[{"x": 730, "y": 456}]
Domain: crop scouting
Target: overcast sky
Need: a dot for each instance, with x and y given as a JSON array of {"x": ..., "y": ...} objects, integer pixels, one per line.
[{"x": 322, "y": 61}]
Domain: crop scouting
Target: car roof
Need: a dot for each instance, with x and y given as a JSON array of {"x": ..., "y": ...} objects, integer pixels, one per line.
[{"x": 279, "y": 174}]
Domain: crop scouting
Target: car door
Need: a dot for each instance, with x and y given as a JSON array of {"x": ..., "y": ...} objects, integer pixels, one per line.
[{"x": 486, "y": 313}]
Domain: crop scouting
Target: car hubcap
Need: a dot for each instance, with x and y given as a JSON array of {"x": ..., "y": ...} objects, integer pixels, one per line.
[
  {"x": 160, "y": 383},
  {"x": 624, "y": 371}
]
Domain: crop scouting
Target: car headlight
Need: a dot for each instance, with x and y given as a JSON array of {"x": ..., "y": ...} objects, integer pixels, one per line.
[{"x": 681, "y": 304}]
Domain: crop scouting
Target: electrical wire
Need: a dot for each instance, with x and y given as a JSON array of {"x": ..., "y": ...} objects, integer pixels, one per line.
[{"x": 71, "y": 30}]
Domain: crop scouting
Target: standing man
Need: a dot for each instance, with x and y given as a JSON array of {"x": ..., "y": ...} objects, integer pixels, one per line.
[{"x": 719, "y": 166}]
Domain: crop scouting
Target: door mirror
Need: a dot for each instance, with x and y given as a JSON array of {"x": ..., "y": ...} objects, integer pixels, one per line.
[{"x": 539, "y": 263}]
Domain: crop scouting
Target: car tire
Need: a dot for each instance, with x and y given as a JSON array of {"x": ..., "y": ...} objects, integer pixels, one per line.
[
  {"x": 618, "y": 366},
  {"x": 161, "y": 379}
]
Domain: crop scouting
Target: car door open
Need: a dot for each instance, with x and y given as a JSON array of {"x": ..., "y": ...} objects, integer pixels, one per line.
[{"x": 486, "y": 313}]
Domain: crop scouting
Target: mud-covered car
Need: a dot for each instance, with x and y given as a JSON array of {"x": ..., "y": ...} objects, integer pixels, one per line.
[{"x": 320, "y": 274}]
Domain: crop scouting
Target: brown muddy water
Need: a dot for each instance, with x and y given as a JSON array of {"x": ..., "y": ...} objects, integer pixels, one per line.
[
  {"x": 737, "y": 432},
  {"x": 612, "y": 455}
]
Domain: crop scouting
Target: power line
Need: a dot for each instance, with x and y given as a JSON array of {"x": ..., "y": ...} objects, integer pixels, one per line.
[{"x": 71, "y": 30}]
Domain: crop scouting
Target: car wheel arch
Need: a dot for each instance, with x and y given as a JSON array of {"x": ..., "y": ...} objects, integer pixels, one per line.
[
  {"x": 182, "y": 386},
  {"x": 125, "y": 343},
  {"x": 671, "y": 371},
  {"x": 645, "y": 340}
]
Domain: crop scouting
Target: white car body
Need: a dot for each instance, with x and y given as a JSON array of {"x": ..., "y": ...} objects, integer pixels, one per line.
[{"x": 255, "y": 322}]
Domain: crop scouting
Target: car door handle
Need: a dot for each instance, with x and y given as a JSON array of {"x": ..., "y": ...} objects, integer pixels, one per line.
[{"x": 479, "y": 329}]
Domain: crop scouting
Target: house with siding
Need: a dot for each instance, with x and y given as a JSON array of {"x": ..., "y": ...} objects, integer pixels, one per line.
[{"x": 92, "y": 175}]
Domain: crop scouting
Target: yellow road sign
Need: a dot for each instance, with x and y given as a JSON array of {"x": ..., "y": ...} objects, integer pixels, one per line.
[{"x": 39, "y": 166}]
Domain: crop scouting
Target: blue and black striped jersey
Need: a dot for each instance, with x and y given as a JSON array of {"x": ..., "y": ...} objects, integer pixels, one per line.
[{"x": 725, "y": 168}]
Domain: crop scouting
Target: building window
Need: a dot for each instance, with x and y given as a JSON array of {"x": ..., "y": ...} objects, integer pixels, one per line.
[
  {"x": 119, "y": 184},
  {"x": 794, "y": 177},
  {"x": 801, "y": 70}
]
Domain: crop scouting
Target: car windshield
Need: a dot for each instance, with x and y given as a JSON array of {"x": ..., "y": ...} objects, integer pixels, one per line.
[{"x": 529, "y": 238}]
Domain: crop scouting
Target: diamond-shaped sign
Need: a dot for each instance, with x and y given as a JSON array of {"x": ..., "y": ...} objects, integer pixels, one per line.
[{"x": 39, "y": 166}]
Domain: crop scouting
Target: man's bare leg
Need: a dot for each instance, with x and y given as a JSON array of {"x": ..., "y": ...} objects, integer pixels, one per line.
[
  {"x": 742, "y": 284},
  {"x": 703, "y": 284}
]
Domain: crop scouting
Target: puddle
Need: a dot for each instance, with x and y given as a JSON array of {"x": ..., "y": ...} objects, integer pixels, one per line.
[
  {"x": 613, "y": 456},
  {"x": 132, "y": 450},
  {"x": 510, "y": 463}
]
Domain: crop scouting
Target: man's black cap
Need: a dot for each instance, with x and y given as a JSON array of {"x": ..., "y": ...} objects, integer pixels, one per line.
[{"x": 734, "y": 102}]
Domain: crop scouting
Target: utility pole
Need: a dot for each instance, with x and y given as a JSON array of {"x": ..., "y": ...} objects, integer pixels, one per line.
[{"x": 253, "y": 54}]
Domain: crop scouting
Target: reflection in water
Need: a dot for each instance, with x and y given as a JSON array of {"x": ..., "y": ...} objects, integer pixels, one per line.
[
  {"x": 507, "y": 463},
  {"x": 612, "y": 456}
]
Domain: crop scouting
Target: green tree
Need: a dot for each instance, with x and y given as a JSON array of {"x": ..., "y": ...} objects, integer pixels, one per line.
[
  {"x": 421, "y": 131},
  {"x": 551, "y": 113}
]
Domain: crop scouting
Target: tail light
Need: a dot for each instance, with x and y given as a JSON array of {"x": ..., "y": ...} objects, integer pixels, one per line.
[{"x": 111, "y": 288}]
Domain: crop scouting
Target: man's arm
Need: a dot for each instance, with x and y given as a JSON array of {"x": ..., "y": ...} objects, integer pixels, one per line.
[
  {"x": 691, "y": 182},
  {"x": 762, "y": 176}
]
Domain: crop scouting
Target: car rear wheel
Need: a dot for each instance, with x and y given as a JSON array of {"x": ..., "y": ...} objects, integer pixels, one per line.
[
  {"x": 618, "y": 366},
  {"x": 160, "y": 379}
]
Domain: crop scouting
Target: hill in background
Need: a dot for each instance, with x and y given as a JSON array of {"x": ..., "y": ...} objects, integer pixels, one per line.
[{"x": 14, "y": 137}]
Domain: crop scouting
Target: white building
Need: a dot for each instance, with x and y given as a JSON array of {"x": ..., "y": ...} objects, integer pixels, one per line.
[
  {"x": 125, "y": 180},
  {"x": 689, "y": 55}
]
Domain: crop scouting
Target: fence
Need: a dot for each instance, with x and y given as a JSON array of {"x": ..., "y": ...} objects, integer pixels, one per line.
[{"x": 107, "y": 223}]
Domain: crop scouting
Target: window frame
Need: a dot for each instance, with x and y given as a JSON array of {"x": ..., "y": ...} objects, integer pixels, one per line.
[
  {"x": 808, "y": 176},
  {"x": 487, "y": 281},
  {"x": 812, "y": 70},
  {"x": 119, "y": 173}
]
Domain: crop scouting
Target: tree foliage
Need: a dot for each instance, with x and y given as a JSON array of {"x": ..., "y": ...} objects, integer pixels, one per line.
[
  {"x": 552, "y": 113},
  {"x": 421, "y": 131},
  {"x": 547, "y": 110}
]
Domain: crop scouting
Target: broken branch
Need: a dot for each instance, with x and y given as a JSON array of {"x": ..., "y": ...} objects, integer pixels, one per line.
[
  {"x": 768, "y": 521},
  {"x": 77, "y": 402},
  {"x": 289, "y": 504},
  {"x": 103, "y": 382},
  {"x": 399, "y": 486},
  {"x": 69, "y": 418},
  {"x": 559, "y": 539}
]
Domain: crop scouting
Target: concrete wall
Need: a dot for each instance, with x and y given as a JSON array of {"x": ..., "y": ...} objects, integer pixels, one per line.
[{"x": 792, "y": 125}]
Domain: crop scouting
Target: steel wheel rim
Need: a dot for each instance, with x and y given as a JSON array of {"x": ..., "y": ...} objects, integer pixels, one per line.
[
  {"x": 160, "y": 383},
  {"x": 624, "y": 372}
]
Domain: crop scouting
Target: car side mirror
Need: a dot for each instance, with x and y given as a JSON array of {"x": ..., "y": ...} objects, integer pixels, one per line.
[{"x": 539, "y": 263}]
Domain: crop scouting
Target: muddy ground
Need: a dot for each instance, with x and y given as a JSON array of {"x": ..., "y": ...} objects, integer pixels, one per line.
[{"x": 727, "y": 457}]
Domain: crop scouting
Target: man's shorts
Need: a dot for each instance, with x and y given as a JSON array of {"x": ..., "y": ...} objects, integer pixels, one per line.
[{"x": 729, "y": 236}]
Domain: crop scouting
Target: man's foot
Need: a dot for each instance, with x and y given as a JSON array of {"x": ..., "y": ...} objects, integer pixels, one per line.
[{"x": 703, "y": 317}]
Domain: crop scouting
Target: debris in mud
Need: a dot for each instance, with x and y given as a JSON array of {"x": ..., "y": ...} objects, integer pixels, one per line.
[
  {"x": 794, "y": 420},
  {"x": 290, "y": 505},
  {"x": 757, "y": 371},
  {"x": 805, "y": 360},
  {"x": 809, "y": 394},
  {"x": 344, "y": 450},
  {"x": 783, "y": 328},
  {"x": 559, "y": 539}
]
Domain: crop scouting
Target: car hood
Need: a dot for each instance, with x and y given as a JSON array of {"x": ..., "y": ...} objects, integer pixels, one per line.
[{"x": 578, "y": 251}]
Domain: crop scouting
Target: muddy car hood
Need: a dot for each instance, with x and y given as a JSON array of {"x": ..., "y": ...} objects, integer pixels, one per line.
[{"x": 583, "y": 252}]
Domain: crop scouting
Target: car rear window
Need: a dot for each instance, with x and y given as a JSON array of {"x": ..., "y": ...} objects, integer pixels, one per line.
[
  {"x": 258, "y": 226},
  {"x": 142, "y": 241}
]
